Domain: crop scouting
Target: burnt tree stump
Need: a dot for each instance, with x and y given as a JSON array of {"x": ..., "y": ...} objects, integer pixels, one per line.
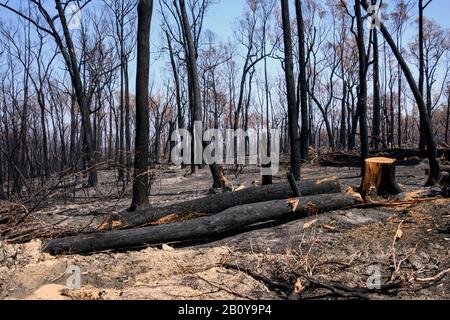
[{"x": 380, "y": 172}]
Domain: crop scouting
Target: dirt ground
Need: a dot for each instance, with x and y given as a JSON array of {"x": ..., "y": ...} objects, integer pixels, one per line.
[{"x": 408, "y": 244}]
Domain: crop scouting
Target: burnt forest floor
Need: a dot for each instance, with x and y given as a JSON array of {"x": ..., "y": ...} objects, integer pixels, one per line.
[{"x": 410, "y": 245}]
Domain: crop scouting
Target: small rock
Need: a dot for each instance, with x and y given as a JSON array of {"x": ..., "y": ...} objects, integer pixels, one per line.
[
  {"x": 167, "y": 248},
  {"x": 415, "y": 262},
  {"x": 401, "y": 196},
  {"x": 434, "y": 192}
]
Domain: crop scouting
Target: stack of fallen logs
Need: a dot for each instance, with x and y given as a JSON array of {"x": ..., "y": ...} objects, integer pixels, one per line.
[
  {"x": 404, "y": 157},
  {"x": 215, "y": 216}
]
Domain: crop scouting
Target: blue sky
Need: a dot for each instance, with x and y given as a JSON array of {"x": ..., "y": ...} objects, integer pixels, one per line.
[
  {"x": 221, "y": 17},
  {"x": 439, "y": 11},
  {"x": 223, "y": 14}
]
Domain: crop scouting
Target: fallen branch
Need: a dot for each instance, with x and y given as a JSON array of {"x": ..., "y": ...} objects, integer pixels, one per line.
[
  {"x": 342, "y": 290},
  {"x": 372, "y": 205},
  {"x": 277, "y": 286},
  {"x": 293, "y": 184},
  {"x": 439, "y": 276},
  {"x": 291, "y": 291}
]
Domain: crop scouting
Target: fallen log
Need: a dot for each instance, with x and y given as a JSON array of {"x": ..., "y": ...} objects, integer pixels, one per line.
[
  {"x": 229, "y": 221},
  {"x": 404, "y": 157},
  {"x": 341, "y": 160},
  {"x": 400, "y": 154},
  {"x": 219, "y": 202}
]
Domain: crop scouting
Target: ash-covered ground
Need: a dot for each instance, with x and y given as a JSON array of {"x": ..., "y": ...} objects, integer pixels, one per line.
[{"x": 408, "y": 244}]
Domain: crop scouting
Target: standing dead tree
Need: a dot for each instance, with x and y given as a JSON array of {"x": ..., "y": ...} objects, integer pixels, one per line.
[
  {"x": 2, "y": 190},
  {"x": 422, "y": 8},
  {"x": 303, "y": 84},
  {"x": 194, "y": 86},
  {"x": 141, "y": 183},
  {"x": 376, "y": 119},
  {"x": 291, "y": 97},
  {"x": 362, "y": 96}
]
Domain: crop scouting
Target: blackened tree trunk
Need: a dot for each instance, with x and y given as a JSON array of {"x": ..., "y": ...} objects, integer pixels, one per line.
[
  {"x": 266, "y": 179},
  {"x": 362, "y": 97},
  {"x": 194, "y": 82},
  {"x": 41, "y": 102},
  {"x": 170, "y": 143},
  {"x": 176, "y": 79},
  {"x": 399, "y": 109},
  {"x": 233, "y": 220},
  {"x": 353, "y": 121},
  {"x": 290, "y": 86},
  {"x": 121, "y": 134},
  {"x": 391, "y": 108},
  {"x": 422, "y": 142},
  {"x": 158, "y": 128},
  {"x": 400, "y": 86},
  {"x": 2, "y": 191},
  {"x": 127, "y": 118},
  {"x": 343, "y": 132},
  {"x": 376, "y": 91},
  {"x": 73, "y": 130},
  {"x": 448, "y": 116},
  {"x": 304, "y": 134},
  {"x": 141, "y": 184}
]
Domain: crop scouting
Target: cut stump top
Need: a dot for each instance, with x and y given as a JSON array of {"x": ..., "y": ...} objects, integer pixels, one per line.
[{"x": 381, "y": 160}]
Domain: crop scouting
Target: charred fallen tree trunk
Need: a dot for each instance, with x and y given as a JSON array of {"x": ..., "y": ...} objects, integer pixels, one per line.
[
  {"x": 404, "y": 157},
  {"x": 340, "y": 159},
  {"x": 230, "y": 221},
  {"x": 220, "y": 202},
  {"x": 400, "y": 154}
]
